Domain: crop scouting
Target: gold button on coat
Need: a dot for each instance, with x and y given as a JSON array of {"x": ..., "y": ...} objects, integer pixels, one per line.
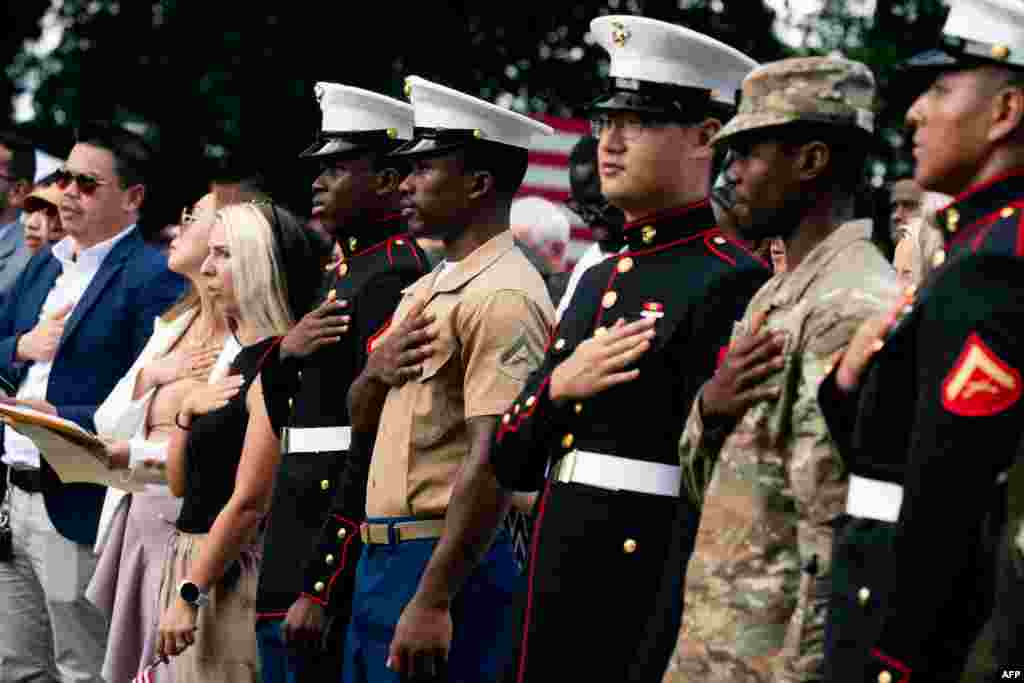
[
  {"x": 329, "y": 560},
  {"x": 609, "y": 299},
  {"x": 939, "y": 258},
  {"x": 578, "y": 408},
  {"x": 568, "y": 440},
  {"x": 629, "y": 546},
  {"x": 648, "y": 233},
  {"x": 342, "y": 532},
  {"x": 625, "y": 264},
  {"x": 559, "y": 344},
  {"x": 318, "y": 586},
  {"x": 530, "y": 401},
  {"x": 952, "y": 219},
  {"x": 1007, "y": 212},
  {"x": 343, "y": 270},
  {"x": 324, "y": 485},
  {"x": 863, "y": 595},
  {"x": 885, "y": 677}
]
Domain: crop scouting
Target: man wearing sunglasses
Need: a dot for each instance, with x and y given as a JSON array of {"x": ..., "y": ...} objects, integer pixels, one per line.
[
  {"x": 312, "y": 543},
  {"x": 17, "y": 171},
  {"x": 73, "y": 324}
]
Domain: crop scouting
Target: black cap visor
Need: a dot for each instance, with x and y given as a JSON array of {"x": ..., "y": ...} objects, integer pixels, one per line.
[
  {"x": 656, "y": 99},
  {"x": 338, "y": 144},
  {"x": 432, "y": 142}
]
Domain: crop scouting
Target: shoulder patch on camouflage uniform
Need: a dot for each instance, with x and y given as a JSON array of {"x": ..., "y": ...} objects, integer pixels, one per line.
[{"x": 980, "y": 382}]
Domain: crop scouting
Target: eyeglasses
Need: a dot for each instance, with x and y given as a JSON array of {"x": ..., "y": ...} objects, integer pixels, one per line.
[
  {"x": 631, "y": 125},
  {"x": 87, "y": 184}
]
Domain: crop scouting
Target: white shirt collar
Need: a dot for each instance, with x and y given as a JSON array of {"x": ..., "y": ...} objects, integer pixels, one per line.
[{"x": 90, "y": 258}]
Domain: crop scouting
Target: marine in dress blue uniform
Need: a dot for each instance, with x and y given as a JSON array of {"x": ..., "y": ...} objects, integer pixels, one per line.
[
  {"x": 312, "y": 544},
  {"x": 612, "y": 535},
  {"x": 936, "y": 420}
]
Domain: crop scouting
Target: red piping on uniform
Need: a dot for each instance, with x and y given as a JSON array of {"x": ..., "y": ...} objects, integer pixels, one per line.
[
  {"x": 983, "y": 185},
  {"x": 411, "y": 243},
  {"x": 739, "y": 244},
  {"x": 344, "y": 553},
  {"x": 277, "y": 340},
  {"x": 607, "y": 287},
  {"x": 894, "y": 663},
  {"x": 708, "y": 243},
  {"x": 513, "y": 424},
  {"x": 663, "y": 247},
  {"x": 534, "y": 542},
  {"x": 662, "y": 215},
  {"x": 376, "y": 335}
]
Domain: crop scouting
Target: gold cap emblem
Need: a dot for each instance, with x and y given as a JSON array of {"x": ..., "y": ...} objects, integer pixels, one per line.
[
  {"x": 1000, "y": 52},
  {"x": 408, "y": 89},
  {"x": 620, "y": 34},
  {"x": 392, "y": 133},
  {"x": 477, "y": 133}
]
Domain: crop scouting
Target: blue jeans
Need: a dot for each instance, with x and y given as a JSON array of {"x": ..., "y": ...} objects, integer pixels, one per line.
[{"x": 386, "y": 579}]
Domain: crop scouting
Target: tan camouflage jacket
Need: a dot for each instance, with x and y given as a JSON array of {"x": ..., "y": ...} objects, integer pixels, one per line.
[{"x": 756, "y": 585}]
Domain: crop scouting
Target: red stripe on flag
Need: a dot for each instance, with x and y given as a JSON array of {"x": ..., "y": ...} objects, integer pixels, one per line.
[
  {"x": 577, "y": 126},
  {"x": 554, "y": 159},
  {"x": 558, "y": 196}
]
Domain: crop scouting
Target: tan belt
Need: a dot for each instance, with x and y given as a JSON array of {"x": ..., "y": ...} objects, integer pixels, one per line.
[
  {"x": 418, "y": 529},
  {"x": 617, "y": 474}
]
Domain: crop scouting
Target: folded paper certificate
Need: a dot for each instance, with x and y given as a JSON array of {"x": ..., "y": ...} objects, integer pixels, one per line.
[{"x": 75, "y": 454}]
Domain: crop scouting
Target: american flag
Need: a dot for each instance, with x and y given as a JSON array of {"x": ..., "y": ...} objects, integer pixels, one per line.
[
  {"x": 148, "y": 673},
  {"x": 548, "y": 174}
]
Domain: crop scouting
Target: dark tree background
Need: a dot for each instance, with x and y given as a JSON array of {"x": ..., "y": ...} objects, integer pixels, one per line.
[{"x": 224, "y": 84}]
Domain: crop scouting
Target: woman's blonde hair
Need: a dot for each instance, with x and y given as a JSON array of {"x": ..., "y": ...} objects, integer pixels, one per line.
[
  {"x": 223, "y": 195},
  {"x": 259, "y": 280}
]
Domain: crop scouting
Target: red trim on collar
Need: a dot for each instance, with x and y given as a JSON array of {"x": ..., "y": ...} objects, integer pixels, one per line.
[
  {"x": 978, "y": 187},
  {"x": 900, "y": 667},
  {"x": 668, "y": 213}
]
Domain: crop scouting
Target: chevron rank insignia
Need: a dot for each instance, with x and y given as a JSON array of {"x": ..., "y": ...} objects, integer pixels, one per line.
[
  {"x": 652, "y": 309},
  {"x": 980, "y": 382}
]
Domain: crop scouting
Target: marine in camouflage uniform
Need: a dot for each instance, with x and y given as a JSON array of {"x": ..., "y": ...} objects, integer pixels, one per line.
[{"x": 757, "y": 583}]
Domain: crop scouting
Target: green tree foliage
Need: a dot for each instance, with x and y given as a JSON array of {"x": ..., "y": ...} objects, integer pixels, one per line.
[{"x": 220, "y": 83}]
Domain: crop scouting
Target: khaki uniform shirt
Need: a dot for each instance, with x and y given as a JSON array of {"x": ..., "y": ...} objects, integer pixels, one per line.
[
  {"x": 494, "y": 317},
  {"x": 755, "y": 595}
]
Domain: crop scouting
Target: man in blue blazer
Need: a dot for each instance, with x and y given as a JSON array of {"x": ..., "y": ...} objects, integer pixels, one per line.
[{"x": 71, "y": 327}]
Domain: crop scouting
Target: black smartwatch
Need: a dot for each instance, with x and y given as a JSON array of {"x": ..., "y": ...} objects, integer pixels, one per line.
[{"x": 191, "y": 594}]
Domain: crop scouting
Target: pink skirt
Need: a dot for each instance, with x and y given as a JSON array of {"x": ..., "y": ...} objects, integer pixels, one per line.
[{"x": 126, "y": 585}]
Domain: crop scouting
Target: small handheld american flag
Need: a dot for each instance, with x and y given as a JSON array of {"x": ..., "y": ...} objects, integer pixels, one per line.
[{"x": 148, "y": 673}]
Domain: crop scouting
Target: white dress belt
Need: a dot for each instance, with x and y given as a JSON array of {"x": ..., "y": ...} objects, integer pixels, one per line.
[
  {"x": 617, "y": 474},
  {"x": 881, "y": 500},
  {"x": 874, "y": 499},
  {"x": 315, "y": 439}
]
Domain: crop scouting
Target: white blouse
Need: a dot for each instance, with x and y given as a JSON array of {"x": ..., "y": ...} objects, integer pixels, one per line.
[{"x": 122, "y": 418}]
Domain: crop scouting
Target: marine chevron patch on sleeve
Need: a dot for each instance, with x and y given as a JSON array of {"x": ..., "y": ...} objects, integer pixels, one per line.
[{"x": 980, "y": 383}]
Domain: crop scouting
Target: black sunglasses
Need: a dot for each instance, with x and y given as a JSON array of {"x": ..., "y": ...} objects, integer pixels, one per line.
[{"x": 87, "y": 184}]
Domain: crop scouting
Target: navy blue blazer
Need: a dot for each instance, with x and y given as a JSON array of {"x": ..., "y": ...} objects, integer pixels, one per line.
[{"x": 104, "y": 334}]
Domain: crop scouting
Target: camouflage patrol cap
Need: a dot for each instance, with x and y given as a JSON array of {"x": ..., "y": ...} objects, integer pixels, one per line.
[{"x": 823, "y": 90}]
